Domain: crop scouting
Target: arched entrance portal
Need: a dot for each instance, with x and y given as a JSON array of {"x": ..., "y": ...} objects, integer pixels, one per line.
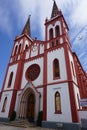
[
  {"x": 29, "y": 102},
  {"x": 31, "y": 107}
]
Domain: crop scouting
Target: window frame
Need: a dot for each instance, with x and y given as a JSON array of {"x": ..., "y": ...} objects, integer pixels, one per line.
[
  {"x": 15, "y": 50},
  {"x": 51, "y": 34},
  {"x": 19, "y": 49},
  {"x": 10, "y": 79},
  {"x": 57, "y": 31},
  {"x": 4, "y": 104},
  {"x": 54, "y": 69},
  {"x": 57, "y": 100},
  {"x": 73, "y": 70}
]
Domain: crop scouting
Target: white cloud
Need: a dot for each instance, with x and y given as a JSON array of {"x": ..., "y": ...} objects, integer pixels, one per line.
[
  {"x": 79, "y": 15},
  {"x": 74, "y": 12},
  {"x": 82, "y": 55},
  {"x": 39, "y": 10},
  {"x": 5, "y": 22}
]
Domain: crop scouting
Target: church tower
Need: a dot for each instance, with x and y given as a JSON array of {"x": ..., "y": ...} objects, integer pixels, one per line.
[
  {"x": 60, "y": 70},
  {"x": 14, "y": 71},
  {"x": 43, "y": 75}
]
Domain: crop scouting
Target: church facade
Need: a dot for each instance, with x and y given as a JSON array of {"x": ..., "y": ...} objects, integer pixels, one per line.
[{"x": 44, "y": 75}]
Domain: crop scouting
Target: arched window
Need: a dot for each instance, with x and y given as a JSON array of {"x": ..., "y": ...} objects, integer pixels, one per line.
[
  {"x": 57, "y": 31},
  {"x": 4, "y": 104},
  {"x": 19, "y": 50},
  {"x": 73, "y": 69},
  {"x": 10, "y": 79},
  {"x": 26, "y": 46},
  {"x": 15, "y": 50},
  {"x": 57, "y": 102},
  {"x": 56, "y": 69},
  {"x": 51, "y": 34}
]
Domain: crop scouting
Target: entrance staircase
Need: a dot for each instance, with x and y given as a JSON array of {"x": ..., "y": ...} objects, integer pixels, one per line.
[{"x": 20, "y": 123}]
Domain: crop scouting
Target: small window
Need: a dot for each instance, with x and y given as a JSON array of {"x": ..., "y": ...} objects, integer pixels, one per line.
[
  {"x": 4, "y": 104},
  {"x": 19, "y": 50},
  {"x": 56, "y": 71},
  {"x": 10, "y": 79},
  {"x": 26, "y": 47},
  {"x": 51, "y": 34},
  {"x": 15, "y": 51},
  {"x": 57, "y": 102},
  {"x": 73, "y": 69},
  {"x": 57, "y": 31}
]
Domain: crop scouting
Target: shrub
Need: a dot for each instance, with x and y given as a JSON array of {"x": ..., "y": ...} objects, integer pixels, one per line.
[
  {"x": 39, "y": 120},
  {"x": 13, "y": 116}
]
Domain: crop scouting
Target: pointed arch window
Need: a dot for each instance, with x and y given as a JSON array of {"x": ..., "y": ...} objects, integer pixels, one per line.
[
  {"x": 73, "y": 69},
  {"x": 10, "y": 79},
  {"x": 4, "y": 104},
  {"x": 56, "y": 69},
  {"x": 15, "y": 51},
  {"x": 26, "y": 47},
  {"x": 50, "y": 34},
  {"x": 57, "y": 31},
  {"x": 19, "y": 50},
  {"x": 57, "y": 102}
]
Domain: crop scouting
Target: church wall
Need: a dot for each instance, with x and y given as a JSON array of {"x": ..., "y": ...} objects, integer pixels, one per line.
[
  {"x": 41, "y": 98},
  {"x": 76, "y": 88},
  {"x": 56, "y": 54},
  {"x": 41, "y": 48},
  {"x": 13, "y": 69},
  {"x": 17, "y": 101},
  {"x": 7, "y": 94},
  {"x": 39, "y": 80},
  {"x": 34, "y": 52},
  {"x": 36, "y": 49},
  {"x": 27, "y": 54},
  {"x": 65, "y": 115},
  {"x": 77, "y": 95},
  {"x": 72, "y": 68}
]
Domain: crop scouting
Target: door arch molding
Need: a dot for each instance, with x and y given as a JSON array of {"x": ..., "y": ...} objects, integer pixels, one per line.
[{"x": 23, "y": 100}]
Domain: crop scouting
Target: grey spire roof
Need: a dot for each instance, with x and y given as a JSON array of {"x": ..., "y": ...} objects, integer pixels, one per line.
[
  {"x": 26, "y": 29},
  {"x": 54, "y": 10}
]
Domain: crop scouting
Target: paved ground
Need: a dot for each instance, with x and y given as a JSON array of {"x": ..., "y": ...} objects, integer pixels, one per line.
[{"x": 5, "y": 127}]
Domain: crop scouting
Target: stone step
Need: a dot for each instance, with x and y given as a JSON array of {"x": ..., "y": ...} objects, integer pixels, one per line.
[{"x": 20, "y": 123}]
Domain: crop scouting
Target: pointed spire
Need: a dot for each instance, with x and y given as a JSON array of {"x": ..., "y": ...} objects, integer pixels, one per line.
[
  {"x": 26, "y": 29},
  {"x": 54, "y": 10}
]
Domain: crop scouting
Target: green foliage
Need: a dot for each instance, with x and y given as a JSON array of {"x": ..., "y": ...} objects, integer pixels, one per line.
[
  {"x": 39, "y": 120},
  {"x": 13, "y": 116}
]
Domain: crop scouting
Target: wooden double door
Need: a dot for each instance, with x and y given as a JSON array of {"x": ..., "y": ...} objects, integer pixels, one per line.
[{"x": 31, "y": 108}]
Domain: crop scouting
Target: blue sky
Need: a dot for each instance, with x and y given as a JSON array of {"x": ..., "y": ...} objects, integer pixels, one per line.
[{"x": 14, "y": 14}]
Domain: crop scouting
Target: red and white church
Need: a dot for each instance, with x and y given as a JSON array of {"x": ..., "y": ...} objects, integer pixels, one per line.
[{"x": 44, "y": 76}]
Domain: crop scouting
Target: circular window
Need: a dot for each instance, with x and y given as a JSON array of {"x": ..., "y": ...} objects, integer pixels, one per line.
[{"x": 33, "y": 72}]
